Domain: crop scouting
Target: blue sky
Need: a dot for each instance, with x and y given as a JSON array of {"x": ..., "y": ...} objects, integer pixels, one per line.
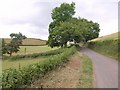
[{"x": 32, "y": 17}]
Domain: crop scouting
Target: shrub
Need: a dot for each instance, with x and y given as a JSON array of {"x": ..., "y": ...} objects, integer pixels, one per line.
[{"x": 13, "y": 78}]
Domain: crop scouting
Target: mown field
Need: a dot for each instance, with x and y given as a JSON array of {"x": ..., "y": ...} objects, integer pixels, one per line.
[
  {"x": 33, "y": 49},
  {"x": 18, "y": 59},
  {"x": 107, "y": 45},
  {"x": 16, "y": 64},
  {"x": 29, "y": 42}
]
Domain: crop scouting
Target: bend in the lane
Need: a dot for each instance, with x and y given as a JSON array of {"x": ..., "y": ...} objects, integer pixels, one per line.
[{"x": 105, "y": 69}]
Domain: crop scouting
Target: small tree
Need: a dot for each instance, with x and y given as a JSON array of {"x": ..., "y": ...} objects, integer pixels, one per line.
[{"x": 13, "y": 46}]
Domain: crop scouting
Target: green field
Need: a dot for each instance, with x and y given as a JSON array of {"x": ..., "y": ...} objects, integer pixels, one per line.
[
  {"x": 6, "y": 64},
  {"x": 33, "y": 49},
  {"x": 29, "y": 42}
]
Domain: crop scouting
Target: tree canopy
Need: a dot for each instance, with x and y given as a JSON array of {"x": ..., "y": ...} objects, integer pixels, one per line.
[{"x": 66, "y": 28}]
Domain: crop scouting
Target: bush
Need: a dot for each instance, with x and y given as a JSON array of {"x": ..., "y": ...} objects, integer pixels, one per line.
[{"x": 13, "y": 78}]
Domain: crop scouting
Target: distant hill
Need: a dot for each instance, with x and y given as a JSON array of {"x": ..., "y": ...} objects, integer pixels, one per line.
[
  {"x": 29, "y": 42},
  {"x": 108, "y": 37}
]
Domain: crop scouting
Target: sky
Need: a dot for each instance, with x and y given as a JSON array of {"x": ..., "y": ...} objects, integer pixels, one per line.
[{"x": 32, "y": 17}]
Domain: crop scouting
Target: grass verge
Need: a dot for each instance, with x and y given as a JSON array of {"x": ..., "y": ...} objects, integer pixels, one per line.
[{"x": 86, "y": 77}]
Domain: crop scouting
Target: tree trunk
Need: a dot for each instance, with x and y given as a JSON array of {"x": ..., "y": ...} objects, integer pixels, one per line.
[
  {"x": 65, "y": 45},
  {"x": 10, "y": 54}
]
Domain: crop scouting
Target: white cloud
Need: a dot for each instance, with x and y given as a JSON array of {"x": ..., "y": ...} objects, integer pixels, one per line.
[{"x": 32, "y": 17}]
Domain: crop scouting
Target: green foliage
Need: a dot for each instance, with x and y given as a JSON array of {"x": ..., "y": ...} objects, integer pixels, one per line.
[
  {"x": 65, "y": 28},
  {"x": 4, "y": 47},
  {"x": 64, "y": 12},
  {"x": 107, "y": 47},
  {"x": 14, "y": 44},
  {"x": 13, "y": 78},
  {"x": 59, "y": 15}
]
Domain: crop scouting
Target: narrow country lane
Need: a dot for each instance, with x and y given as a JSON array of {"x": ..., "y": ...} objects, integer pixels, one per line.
[{"x": 105, "y": 69}]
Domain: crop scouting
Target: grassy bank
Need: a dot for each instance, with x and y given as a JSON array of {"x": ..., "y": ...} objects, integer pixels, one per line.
[
  {"x": 86, "y": 77},
  {"x": 109, "y": 48},
  {"x": 16, "y": 78},
  {"x": 29, "y": 42}
]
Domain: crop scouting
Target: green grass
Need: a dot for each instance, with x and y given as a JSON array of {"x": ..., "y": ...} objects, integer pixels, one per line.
[
  {"x": 86, "y": 77},
  {"x": 33, "y": 49},
  {"x": 7, "y": 64},
  {"x": 30, "y": 42}
]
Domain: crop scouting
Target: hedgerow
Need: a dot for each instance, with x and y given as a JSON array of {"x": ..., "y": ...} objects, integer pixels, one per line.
[
  {"x": 13, "y": 78},
  {"x": 108, "y": 47},
  {"x": 35, "y": 55}
]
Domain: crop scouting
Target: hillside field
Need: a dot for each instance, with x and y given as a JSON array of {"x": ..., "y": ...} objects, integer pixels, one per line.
[
  {"x": 30, "y": 42},
  {"x": 108, "y": 37}
]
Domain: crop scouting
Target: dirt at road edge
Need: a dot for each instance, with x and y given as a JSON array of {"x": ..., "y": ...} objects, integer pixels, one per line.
[{"x": 64, "y": 77}]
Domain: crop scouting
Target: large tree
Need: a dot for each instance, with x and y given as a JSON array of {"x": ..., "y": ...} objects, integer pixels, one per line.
[
  {"x": 66, "y": 28},
  {"x": 59, "y": 15}
]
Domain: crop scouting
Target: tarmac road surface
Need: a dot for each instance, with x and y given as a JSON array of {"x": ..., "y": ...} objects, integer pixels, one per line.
[{"x": 105, "y": 69}]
